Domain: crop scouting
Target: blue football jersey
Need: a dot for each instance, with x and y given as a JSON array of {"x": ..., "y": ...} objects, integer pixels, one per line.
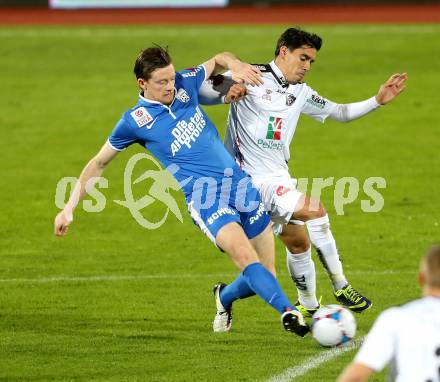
[{"x": 179, "y": 134}]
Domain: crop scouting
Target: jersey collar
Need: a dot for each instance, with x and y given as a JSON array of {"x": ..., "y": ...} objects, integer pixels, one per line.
[
  {"x": 144, "y": 99},
  {"x": 278, "y": 74}
]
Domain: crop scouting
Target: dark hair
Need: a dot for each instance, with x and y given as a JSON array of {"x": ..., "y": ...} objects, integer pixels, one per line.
[
  {"x": 149, "y": 60},
  {"x": 294, "y": 38}
]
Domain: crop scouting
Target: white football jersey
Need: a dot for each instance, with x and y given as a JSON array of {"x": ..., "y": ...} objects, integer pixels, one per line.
[
  {"x": 261, "y": 125},
  {"x": 407, "y": 337}
]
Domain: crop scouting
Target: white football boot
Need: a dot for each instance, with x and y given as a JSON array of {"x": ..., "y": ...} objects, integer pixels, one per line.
[{"x": 223, "y": 318}]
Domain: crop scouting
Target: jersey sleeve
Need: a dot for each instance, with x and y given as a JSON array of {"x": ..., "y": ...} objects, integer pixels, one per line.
[
  {"x": 194, "y": 77},
  {"x": 122, "y": 136},
  {"x": 316, "y": 106},
  {"x": 378, "y": 348}
]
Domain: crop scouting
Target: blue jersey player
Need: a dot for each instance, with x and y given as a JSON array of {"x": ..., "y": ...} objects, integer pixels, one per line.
[{"x": 168, "y": 121}]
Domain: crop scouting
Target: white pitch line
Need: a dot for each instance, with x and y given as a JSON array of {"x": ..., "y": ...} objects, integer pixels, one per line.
[
  {"x": 311, "y": 363},
  {"x": 52, "y": 279},
  {"x": 44, "y": 280}
]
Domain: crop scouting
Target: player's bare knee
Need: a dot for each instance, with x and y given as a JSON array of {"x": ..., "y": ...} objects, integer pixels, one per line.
[
  {"x": 296, "y": 245},
  {"x": 313, "y": 209},
  {"x": 320, "y": 212},
  {"x": 244, "y": 254}
]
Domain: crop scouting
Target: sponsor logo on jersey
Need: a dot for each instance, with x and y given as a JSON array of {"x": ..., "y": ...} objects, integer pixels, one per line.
[
  {"x": 281, "y": 190},
  {"x": 317, "y": 101},
  {"x": 182, "y": 95},
  {"x": 141, "y": 116},
  {"x": 187, "y": 132},
  {"x": 258, "y": 215},
  {"x": 220, "y": 212},
  {"x": 274, "y": 128}
]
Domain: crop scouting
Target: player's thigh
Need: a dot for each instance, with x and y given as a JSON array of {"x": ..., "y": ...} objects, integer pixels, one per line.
[
  {"x": 264, "y": 245},
  {"x": 295, "y": 238},
  {"x": 232, "y": 239},
  {"x": 280, "y": 198},
  {"x": 308, "y": 208}
]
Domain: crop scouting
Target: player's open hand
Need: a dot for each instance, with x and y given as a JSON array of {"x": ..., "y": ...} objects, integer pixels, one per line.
[
  {"x": 235, "y": 93},
  {"x": 244, "y": 73},
  {"x": 62, "y": 222},
  {"x": 392, "y": 88}
]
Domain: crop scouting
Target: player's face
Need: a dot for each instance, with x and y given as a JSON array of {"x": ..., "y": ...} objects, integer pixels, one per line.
[
  {"x": 295, "y": 64},
  {"x": 160, "y": 86}
]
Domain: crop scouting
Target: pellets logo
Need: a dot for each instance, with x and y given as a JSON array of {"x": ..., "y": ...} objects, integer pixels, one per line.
[
  {"x": 317, "y": 101},
  {"x": 141, "y": 116},
  {"x": 274, "y": 128}
]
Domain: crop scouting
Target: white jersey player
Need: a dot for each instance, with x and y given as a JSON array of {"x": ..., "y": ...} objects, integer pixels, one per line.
[
  {"x": 261, "y": 127},
  {"x": 407, "y": 338}
]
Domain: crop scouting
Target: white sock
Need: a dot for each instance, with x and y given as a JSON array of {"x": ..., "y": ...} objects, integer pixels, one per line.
[
  {"x": 302, "y": 271},
  {"x": 322, "y": 238}
]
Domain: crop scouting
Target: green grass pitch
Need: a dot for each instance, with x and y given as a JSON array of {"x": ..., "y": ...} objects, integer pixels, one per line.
[{"x": 113, "y": 301}]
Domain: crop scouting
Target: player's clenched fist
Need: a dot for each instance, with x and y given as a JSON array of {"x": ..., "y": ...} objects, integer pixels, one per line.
[
  {"x": 245, "y": 73},
  {"x": 62, "y": 222},
  {"x": 235, "y": 93}
]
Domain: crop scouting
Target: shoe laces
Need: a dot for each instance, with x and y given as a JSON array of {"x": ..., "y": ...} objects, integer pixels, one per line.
[{"x": 353, "y": 294}]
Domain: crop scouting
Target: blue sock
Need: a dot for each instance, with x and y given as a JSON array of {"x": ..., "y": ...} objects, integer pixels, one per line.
[
  {"x": 239, "y": 288},
  {"x": 265, "y": 285}
]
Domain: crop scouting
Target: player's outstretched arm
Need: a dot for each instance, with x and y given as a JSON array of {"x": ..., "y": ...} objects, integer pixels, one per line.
[
  {"x": 387, "y": 92},
  {"x": 241, "y": 72},
  {"x": 89, "y": 176},
  {"x": 392, "y": 88}
]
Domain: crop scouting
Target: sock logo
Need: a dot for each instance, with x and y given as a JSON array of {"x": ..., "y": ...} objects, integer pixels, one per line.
[{"x": 300, "y": 282}]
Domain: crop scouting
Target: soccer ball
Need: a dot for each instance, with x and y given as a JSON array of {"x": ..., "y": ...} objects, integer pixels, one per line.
[{"x": 333, "y": 325}]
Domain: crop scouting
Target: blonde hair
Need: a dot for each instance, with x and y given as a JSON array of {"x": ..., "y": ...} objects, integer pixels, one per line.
[{"x": 431, "y": 265}]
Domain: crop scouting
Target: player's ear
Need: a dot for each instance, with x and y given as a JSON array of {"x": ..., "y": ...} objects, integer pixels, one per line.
[
  {"x": 283, "y": 51},
  {"x": 142, "y": 83},
  {"x": 422, "y": 278}
]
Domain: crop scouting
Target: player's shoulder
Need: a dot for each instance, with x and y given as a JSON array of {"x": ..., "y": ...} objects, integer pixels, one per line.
[
  {"x": 398, "y": 315},
  {"x": 425, "y": 304},
  {"x": 263, "y": 68},
  {"x": 266, "y": 72},
  {"x": 190, "y": 72},
  {"x": 137, "y": 116}
]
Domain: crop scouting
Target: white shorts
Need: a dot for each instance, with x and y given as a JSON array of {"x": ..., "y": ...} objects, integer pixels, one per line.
[{"x": 280, "y": 197}]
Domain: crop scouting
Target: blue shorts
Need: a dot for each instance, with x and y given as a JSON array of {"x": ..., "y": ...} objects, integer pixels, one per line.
[{"x": 244, "y": 208}]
